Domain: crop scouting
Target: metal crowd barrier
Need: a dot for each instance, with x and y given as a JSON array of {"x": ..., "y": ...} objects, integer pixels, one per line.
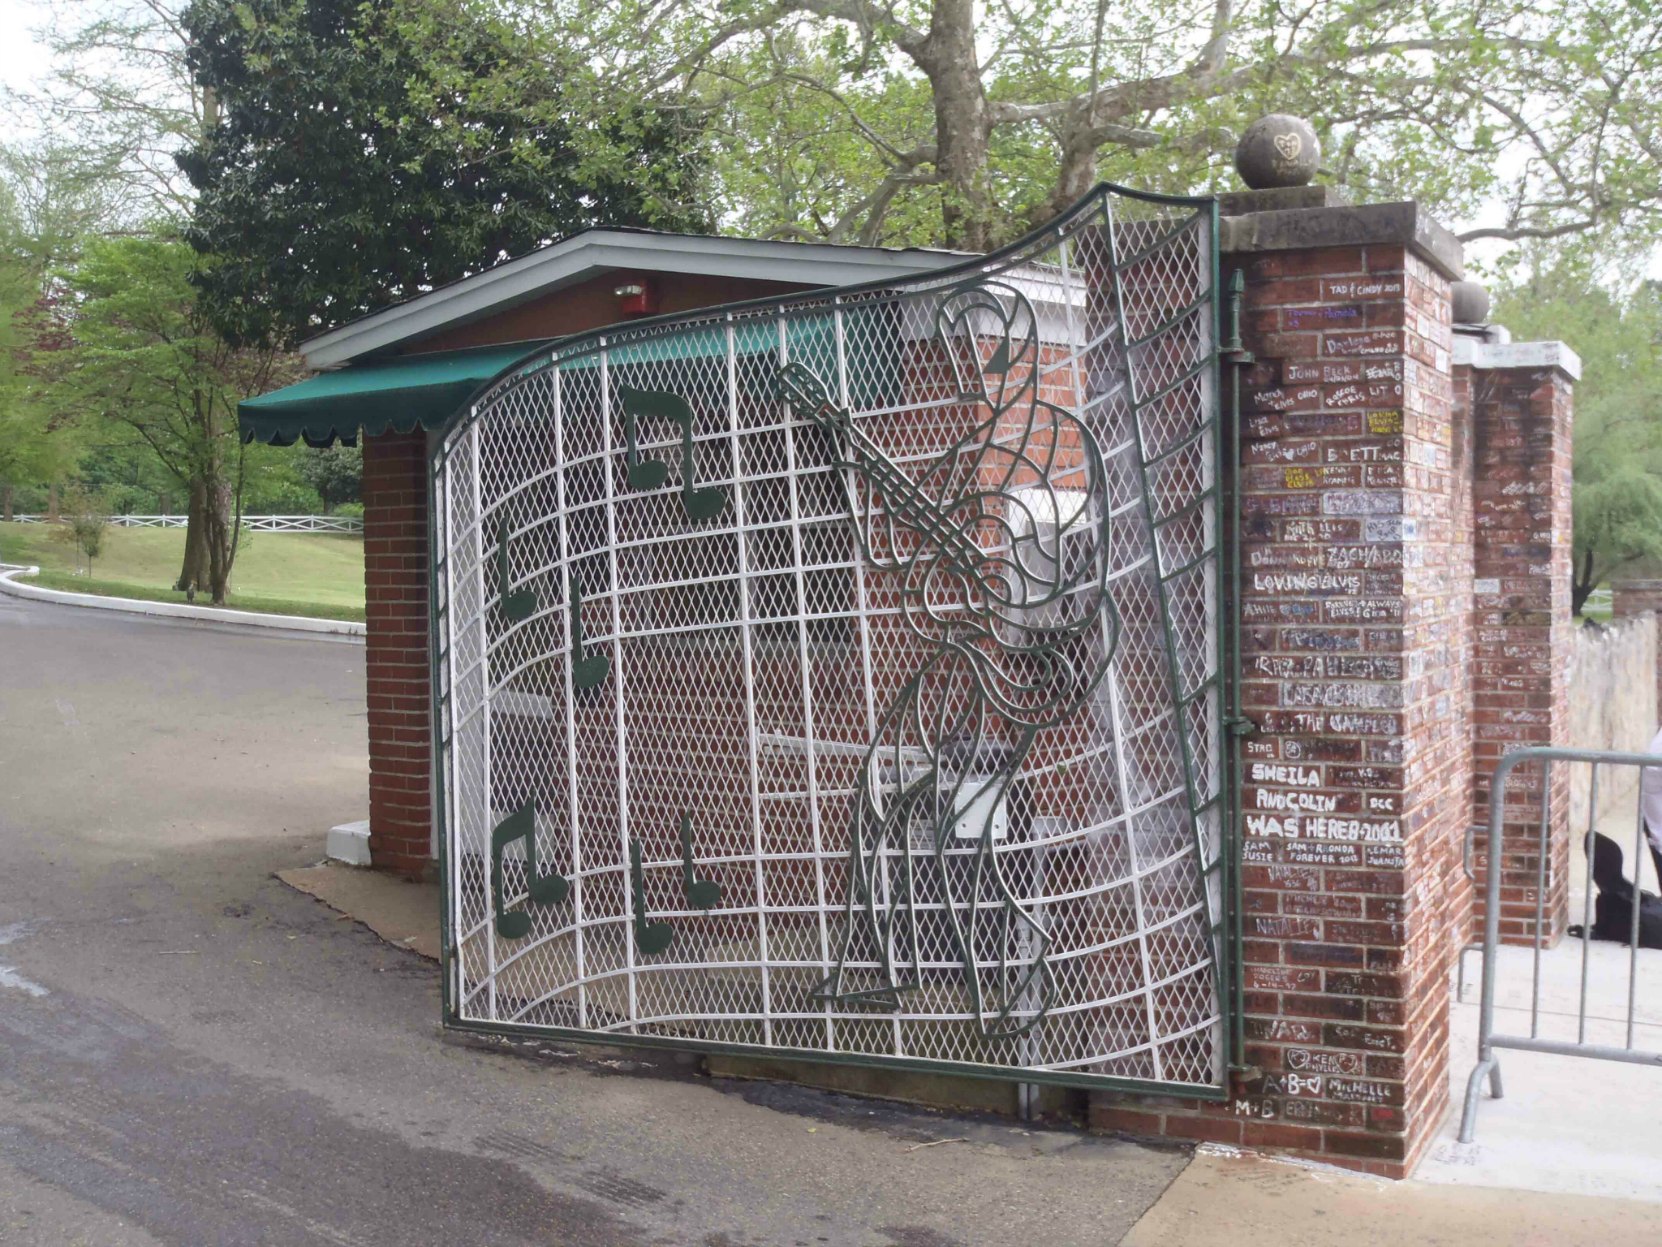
[{"x": 1488, "y": 1066}]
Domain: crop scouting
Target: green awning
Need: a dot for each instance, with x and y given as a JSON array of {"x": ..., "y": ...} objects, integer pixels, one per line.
[{"x": 391, "y": 395}]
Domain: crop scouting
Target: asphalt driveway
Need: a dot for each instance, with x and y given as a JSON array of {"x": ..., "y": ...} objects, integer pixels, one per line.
[{"x": 192, "y": 1053}]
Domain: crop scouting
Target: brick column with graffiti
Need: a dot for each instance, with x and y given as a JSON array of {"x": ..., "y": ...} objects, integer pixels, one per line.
[
  {"x": 1355, "y": 784},
  {"x": 1520, "y": 415}
]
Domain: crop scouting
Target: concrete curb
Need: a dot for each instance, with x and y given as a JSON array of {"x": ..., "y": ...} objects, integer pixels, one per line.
[{"x": 171, "y": 610}]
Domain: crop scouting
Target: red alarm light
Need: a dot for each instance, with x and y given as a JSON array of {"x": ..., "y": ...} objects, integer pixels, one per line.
[{"x": 637, "y": 297}]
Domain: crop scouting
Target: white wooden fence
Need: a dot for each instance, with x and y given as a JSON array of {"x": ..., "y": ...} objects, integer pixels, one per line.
[{"x": 256, "y": 523}]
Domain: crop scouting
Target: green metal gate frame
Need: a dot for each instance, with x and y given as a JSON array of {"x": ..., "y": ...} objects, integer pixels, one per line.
[{"x": 1226, "y": 923}]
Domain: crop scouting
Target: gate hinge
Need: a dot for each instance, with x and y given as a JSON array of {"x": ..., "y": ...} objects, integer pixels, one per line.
[{"x": 1239, "y": 725}]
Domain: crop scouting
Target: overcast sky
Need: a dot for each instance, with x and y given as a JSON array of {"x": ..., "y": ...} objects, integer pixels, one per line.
[{"x": 21, "y": 58}]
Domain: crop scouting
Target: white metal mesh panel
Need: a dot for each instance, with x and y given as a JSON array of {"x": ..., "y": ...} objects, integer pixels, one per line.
[{"x": 840, "y": 675}]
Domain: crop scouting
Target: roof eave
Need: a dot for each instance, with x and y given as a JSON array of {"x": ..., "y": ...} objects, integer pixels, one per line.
[{"x": 597, "y": 251}]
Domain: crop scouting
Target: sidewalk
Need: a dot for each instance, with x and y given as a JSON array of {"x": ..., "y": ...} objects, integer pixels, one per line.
[{"x": 1224, "y": 1200}]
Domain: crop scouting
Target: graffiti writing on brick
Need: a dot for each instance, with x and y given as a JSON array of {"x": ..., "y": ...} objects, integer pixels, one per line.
[
  {"x": 1316, "y": 1061},
  {"x": 1297, "y": 800},
  {"x": 1324, "y": 827},
  {"x": 1305, "y": 582},
  {"x": 1292, "y": 776},
  {"x": 1314, "y": 853}
]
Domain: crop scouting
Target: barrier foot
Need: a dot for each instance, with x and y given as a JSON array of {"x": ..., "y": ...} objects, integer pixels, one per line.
[{"x": 1474, "y": 1090}]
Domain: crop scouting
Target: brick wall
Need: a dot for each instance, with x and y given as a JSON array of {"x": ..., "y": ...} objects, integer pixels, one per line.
[
  {"x": 1521, "y": 642},
  {"x": 396, "y": 651}
]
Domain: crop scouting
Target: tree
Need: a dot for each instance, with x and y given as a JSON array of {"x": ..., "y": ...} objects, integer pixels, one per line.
[
  {"x": 85, "y": 525},
  {"x": 1617, "y": 495},
  {"x": 37, "y": 217},
  {"x": 119, "y": 102},
  {"x": 956, "y": 122},
  {"x": 350, "y": 165},
  {"x": 336, "y": 473},
  {"x": 144, "y": 361}
]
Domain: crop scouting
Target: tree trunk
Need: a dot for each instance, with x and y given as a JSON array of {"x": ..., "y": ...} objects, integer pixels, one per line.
[
  {"x": 1077, "y": 173},
  {"x": 1582, "y": 584},
  {"x": 962, "y": 125},
  {"x": 52, "y": 503},
  {"x": 194, "y": 574},
  {"x": 6, "y": 504},
  {"x": 220, "y": 539}
]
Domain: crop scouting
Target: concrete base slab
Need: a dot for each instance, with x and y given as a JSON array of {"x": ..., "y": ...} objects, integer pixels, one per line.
[
  {"x": 403, "y": 913},
  {"x": 349, "y": 843},
  {"x": 1566, "y": 1124},
  {"x": 1224, "y": 1200}
]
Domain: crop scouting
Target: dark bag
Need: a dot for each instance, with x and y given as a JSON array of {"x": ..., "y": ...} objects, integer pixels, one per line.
[{"x": 1613, "y": 907}]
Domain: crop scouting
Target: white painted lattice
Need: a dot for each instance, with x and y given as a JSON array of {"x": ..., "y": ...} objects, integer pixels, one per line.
[{"x": 910, "y": 647}]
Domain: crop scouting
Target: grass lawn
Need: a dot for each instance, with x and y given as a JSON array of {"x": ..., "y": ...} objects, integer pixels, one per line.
[{"x": 319, "y": 574}]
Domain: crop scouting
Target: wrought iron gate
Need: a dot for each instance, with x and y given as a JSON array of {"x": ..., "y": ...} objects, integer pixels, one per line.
[{"x": 839, "y": 676}]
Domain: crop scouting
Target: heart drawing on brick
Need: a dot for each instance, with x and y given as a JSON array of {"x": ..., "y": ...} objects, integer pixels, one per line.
[{"x": 1289, "y": 145}]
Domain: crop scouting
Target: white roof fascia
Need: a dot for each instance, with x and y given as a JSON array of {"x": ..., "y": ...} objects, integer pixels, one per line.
[{"x": 562, "y": 264}]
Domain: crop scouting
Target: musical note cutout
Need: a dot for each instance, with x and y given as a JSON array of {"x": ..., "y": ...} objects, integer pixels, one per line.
[
  {"x": 521, "y": 604},
  {"x": 700, "y": 504},
  {"x": 586, "y": 671},
  {"x": 701, "y": 893},
  {"x": 650, "y": 937},
  {"x": 648, "y": 473},
  {"x": 548, "y": 889}
]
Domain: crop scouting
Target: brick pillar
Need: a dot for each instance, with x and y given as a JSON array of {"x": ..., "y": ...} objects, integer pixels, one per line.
[
  {"x": 396, "y": 651},
  {"x": 1355, "y": 787},
  {"x": 1521, "y": 615},
  {"x": 1639, "y": 597}
]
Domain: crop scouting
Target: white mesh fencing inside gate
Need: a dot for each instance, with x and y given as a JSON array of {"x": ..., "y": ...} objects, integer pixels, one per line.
[{"x": 840, "y": 676}]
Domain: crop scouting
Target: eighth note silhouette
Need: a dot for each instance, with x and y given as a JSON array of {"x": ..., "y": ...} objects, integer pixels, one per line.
[
  {"x": 701, "y": 893},
  {"x": 589, "y": 671},
  {"x": 648, "y": 473},
  {"x": 650, "y": 937},
  {"x": 521, "y": 604},
  {"x": 700, "y": 504},
  {"x": 547, "y": 889}
]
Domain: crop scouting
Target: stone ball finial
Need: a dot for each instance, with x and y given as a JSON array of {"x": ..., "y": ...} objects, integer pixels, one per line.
[
  {"x": 1471, "y": 303},
  {"x": 1278, "y": 150}
]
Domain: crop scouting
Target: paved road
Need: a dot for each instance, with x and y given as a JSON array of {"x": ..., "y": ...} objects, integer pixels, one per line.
[{"x": 191, "y": 1053}]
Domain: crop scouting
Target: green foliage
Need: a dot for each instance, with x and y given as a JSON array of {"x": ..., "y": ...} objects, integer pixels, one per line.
[
  {"x": 335, "y": 473},
  {"x": 142, "y": 368},
  {"x": 1618, "y": 423},
  {"x": 84, "y": 524},
  {"x": 830, "y": 118},
  {"x": 361, "y": 153},
  {"x": 27, "y": 455}
]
